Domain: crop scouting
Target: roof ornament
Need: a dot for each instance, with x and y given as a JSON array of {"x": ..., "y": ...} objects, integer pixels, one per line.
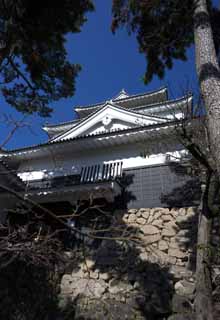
[
  {"x": 121, "y": 95},
  {"x": 106, "y": 121}
]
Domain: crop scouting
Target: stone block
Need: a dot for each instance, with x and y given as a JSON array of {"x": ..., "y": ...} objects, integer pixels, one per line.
[
  {"x": 78, "y": 274},
  {"x": 174, "y": 213},
  {"x": 132, "y": 211},
  {"x": 180, "y": 272},
  {"x": 149, "y": 229},
  {"x": 67, "y": 278},
  {"x": 184, "y": 288},
  {"x": 166, "y": 217},
  {"x": 105, "y": 276},
  {"x": 168, "y": 232},
  {"x": 176, "y": 253},
  {"x": 160, "y": 254},
  {"x": 171, "y": 224},
  {"x": 145, "y": 214},
  {"x": 171, "y": 260},
  {"x": 141, "y": 221},
  {"x": 89, "y": 288},
  {"x": 125, "y": 220},
  {"x": 117, "y": 286},
  {"x": 89, "y": 264},
  {"x": 93, "y": 275},
  {"x": 182, "y": 220},
  {"x": 142, "y": 210},
  {"x": 150, "y": 219},
  {"x": 99, "y": 288},
  {"x": 166, "y": 210},
  {"x": 191, "y": 211},
  {"x": 139, "y": 214},
  {"x": 144, "y": 256},
  {"x": 66, "y": 288},
  {"x": 182, "y": 211},
  {"x": 179, "y": 262},
  {"x": 148, "y": 239},
  {"x": 163, "y": 245},
  {"x": 183, "y": 233},
  {"x": 158, "y": 223},
  {"x": 132, "y": 218},
  {"x": 157, "y": 215}
]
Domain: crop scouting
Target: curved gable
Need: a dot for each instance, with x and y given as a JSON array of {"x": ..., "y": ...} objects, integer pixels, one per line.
[{"x": 109, "y": 118}]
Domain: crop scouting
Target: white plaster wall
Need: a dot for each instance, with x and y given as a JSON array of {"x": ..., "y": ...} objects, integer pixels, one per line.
[{"x": 130, "y": 155}]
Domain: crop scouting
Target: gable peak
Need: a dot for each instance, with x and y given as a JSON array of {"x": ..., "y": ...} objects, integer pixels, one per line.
[{"x": 121, "y": 95}]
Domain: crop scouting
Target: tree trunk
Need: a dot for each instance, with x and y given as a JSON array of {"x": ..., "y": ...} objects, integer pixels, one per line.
[
  {"x": 203, "y": 299},
  {"x": 209, "y": 80},
  {"x": 208, "y": 74}
]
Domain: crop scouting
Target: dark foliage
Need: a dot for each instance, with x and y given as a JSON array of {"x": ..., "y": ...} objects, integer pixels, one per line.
[
  {"x": 34, "y": 67},
  {"x": 27, "y": 237},
  {"x": 164, "y": 29},
  {"x": 32, "y": 261},
  {"x": 28, "y": 292}
]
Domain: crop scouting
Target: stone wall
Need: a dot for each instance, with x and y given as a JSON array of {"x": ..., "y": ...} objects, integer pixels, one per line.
[{"x": 149, "y": 278}]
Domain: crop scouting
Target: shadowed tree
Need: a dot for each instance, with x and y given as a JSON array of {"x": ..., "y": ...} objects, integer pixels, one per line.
[{"x": 34, "y": 68}]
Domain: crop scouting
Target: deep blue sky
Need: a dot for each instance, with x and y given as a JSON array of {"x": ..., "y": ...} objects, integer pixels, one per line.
[{"x": 109, "y": 63}]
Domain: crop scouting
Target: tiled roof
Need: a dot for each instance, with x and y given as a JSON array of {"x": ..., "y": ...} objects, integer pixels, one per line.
[
  {"x": 89, "y": 136},
  {"x": 130, "y": 102},
  {"x": 57, "y": 130},
  {"x": 159, "y": 95}
]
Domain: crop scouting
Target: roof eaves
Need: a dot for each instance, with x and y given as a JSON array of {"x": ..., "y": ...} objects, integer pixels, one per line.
[
  {"x": 166, "y": 103},
  {"x": 51, "y": 126},
  {"x": 48, "y": 144}
]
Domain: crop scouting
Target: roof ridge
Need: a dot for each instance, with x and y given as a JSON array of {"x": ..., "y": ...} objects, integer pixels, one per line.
[{"x": 164, "y": 88}]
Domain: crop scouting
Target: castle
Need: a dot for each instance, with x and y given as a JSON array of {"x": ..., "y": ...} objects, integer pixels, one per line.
[{"x": 128, "y": 135}]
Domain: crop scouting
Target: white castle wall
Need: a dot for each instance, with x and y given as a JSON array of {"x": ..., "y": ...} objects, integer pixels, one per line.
[{"x": 132, "y": 156}]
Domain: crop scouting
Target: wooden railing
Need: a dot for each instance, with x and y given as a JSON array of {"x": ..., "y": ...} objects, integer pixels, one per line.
[
  {"x": 89, "y": 174},
  {"x": 104, "y": 172}
]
